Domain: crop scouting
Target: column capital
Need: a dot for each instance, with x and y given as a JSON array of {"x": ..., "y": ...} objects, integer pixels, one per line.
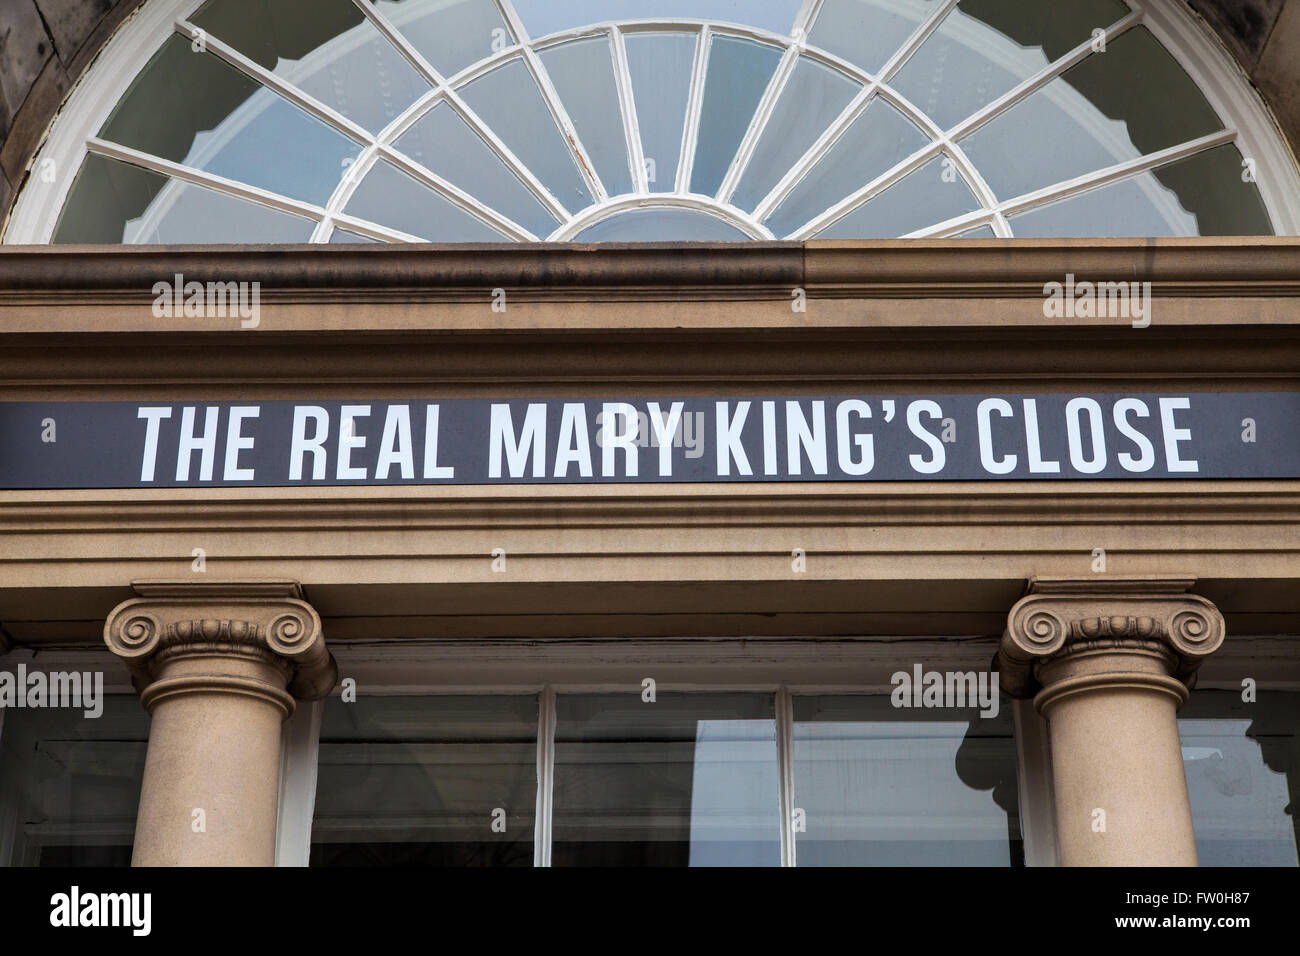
[
  {"x": 259, "y": 622},
  {"x": 1069, "y": 619}
]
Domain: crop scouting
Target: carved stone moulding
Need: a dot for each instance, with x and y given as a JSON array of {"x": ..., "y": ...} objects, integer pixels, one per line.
[
  {"x": 1067, "y": 618},
  {"x": 266, "y": 622}
]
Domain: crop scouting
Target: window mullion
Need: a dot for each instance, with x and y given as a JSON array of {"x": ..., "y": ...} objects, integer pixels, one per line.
[
  {"x": 740, "y": 162},
  {"x": 299, "y": 760},
  {"x": 454, "y": 194},
  {"x": 1112, "y": 174},
  {"x": 796, "y": 173},
  {"x": 189, "y": 174},
  {"x": 804, "y": 20},
  {"x": 631, "y": 126},
  {"x": 545, "y": 776},
  {"x": 582, "y": 159},
  {"x": 869, "y": 191},
  {"x": 1040, "y": 79},
  {"x": 1034, "y": 772},
  {"x": 289, "y": 91},
  {"x": 516, "y": 25},
  {"x": 785, "y": 770},
  {"x": 694, "y": 106}
]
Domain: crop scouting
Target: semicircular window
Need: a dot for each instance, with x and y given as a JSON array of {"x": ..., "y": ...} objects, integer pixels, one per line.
[{"x": 590, "y": 120}]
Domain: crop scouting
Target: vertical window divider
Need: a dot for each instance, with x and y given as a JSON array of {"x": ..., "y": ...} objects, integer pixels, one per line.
[
  {"x": 785, "y": 770},
  {"x": 1034, "y": 786},
  {"x": 545, "y": 775},
  {"x": 299, "y": 760},
  {"x": 694, "y": 106}
]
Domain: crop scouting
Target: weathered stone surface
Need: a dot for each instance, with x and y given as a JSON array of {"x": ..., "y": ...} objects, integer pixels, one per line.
[
  {"x": 32, "y": 120},
  {"x": 24, "y": 48},
  {"x": 71, "y": 22},
  {"x": 1278, "y": 73},
  {"x": 1243, "y": 25}
]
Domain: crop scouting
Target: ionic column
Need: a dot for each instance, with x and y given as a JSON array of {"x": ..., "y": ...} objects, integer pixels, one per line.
[
  {"x": 1108, "y": 664},
  {"x": 218, "y": 666}
]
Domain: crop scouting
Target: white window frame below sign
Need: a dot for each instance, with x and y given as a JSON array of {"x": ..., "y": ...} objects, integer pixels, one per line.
[
  {"x": 781, "y": 667},
  {"x": 1247, "y": 121}
]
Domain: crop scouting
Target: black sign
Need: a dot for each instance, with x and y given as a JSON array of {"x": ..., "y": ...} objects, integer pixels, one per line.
[{"x": 1198, "y": 435}]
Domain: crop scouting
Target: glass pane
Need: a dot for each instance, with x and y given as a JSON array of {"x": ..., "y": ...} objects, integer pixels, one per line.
[
  {"x": 390, "y": 197},
  {"x": 70, "y": 785},
  {"x": 1243, "y": 776},
  {"x": 341, "y": 236},
  {"x": 886, "y": 786},
  {"x": 116, "y": 202},
  {"x": 660, "y": 225},
  {"x": 877, "y": 140},
  {"x": 814, "y": 95},
  {"x": 582, "y": 72},
  {"x": 688, "y": 780},
  {"x": 220, "y": 121},
  {"x": 1200, "y": 196},
  {"x": 430, "y": 781},
  {"x": 985, "y": 47},
  {"x": 738, "y": 74},
  {"x": 868, "y": 32},
  {"x": 930, "y": 195},
  {"x": 660, "y": 66},
  {"x": 450, "y": 34},
  {"x": 508, "y": 100},
  {"x": 979, "y": 232},
  {"x": 326, "y": 48},
  {"x": 543, "y": 17},
  {"x": 443, "y": 142},
  {"x": 1114, "y": 106}
]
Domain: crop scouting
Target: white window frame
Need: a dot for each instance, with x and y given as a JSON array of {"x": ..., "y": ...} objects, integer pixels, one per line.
[
  {"x": 780, "y": 667},
  {"x": 1248, "y": 124}
]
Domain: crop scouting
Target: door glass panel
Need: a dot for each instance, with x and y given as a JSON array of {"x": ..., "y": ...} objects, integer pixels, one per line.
[
  {"x": 509, "y": 102},
  {"x": 688, "y": 780},
  {"x": 450, "y": 34},
  {"x": 543, "y": 17},
  {"x": 660, "y": 66},
  {"x": 220, "y": 121},
  {"x": 443, "y": 142},
  {"x": 814, "y": 95},
  {"x": 660, "y": 225},
  {"x": 433, "y": 781},
  {"x": 886, "y": 786},
  {"x": 1243, "y": 776},
  {"x": 70, "y": 785},
  {"x": 985, "y": 47},
  {"x": 326, "y": 48},
  {"x": 582, "y": 72},
  {"x": 868, "y": 32},
  {"x": 738, "y": 74},
  {"x": 389, "y": 197},
  {"x": 929, "y": 195},
  {"x": 1114, "y": 106},
  {"x": 116, "y": 202},
  {"x": 878, "y": 139}
]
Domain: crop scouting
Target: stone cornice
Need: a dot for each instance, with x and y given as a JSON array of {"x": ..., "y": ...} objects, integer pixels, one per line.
[
  {"x": 1217, "y": 266},
  {"x": 265, "y": 621},
  {"x": 1061, "y": 618}
]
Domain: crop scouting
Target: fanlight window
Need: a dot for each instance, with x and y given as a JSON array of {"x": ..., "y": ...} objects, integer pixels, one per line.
[{"x": 525, "y": 120}]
